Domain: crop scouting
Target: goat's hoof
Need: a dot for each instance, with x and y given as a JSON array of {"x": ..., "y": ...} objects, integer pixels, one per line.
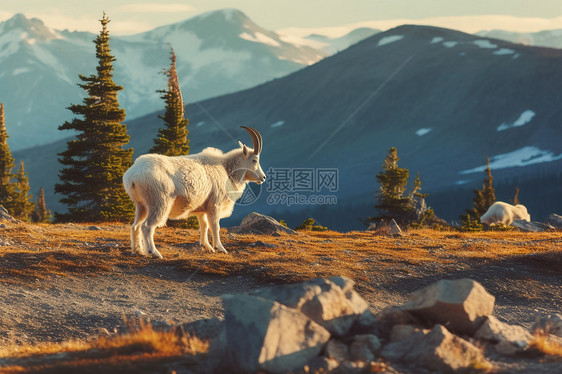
[{"x": 222, "y": 250}]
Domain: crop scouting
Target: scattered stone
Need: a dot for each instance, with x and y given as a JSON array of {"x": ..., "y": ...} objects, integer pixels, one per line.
[
  {"x": 255, "y": 223},
  {"x": 461, "y": 305},
  {"x": 94, "y": 228},
  {"x": 364, "y": 347},
  {"x": 2, "y": 226},
  {"x": 551, "y": 324},
  {"x": 391, "y": 316},
  {"x": 5, "y": 216},
  {"x": 264, "y": 335},
  {"x": 511, "y": 339},
  {"x": 336, "y": 350},
  {"x": 394, "y": 229},
  {"x": 259, "y": 243},
  {"x": 372, "y": 227},
  {"x": 231, "y": 236},
  {"x": 437, "y": 350},
  {"x": 331, "y": 302},
  {"x": 400, "y": 332},
  {"x": 554, "y": 220},
  {"x": 321, "y": 364},
  {"x": 531, "y": 226}
]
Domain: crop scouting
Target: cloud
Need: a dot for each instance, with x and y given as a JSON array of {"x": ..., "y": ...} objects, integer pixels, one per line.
[{"x": 156, "y": 8}]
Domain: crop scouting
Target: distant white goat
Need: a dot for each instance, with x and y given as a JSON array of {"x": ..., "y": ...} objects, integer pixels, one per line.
[
  {"x": 205, "y": 185},
  {"x": 505, "y": 214}
]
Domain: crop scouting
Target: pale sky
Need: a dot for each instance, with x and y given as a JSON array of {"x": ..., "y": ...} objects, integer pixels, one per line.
[{"x": 133, "y": 16}]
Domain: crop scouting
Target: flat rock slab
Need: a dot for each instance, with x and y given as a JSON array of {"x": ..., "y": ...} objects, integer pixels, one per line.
[
  {"x": 511, "y": 339},
  {"x": 554, "y": 220},
  {"x": 461, "y": 305},
  {"x": 531, "y": 226}
]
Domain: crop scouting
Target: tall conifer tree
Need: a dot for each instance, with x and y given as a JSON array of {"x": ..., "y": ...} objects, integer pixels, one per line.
[
  {"x": 22, "y": 206},
  {"x": 96, "y": 159},
  {"x": 172, "y": 139},
  {"x": 482, "y": 200},
  {"x": 41, "y": 213},
  {"x": 393, "y": 180},
  {"x": 6, "y": 165}
]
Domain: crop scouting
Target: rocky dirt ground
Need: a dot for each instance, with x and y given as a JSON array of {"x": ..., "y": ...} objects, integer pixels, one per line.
[{"x": 97, "y": 284}]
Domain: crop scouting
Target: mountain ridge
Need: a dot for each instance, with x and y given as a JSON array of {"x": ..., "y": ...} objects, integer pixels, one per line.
[{"x": 442, "y": 109}]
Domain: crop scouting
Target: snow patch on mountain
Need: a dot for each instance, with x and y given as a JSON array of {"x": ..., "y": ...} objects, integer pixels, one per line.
[
  {"x": 485, "y": 43},
  {"x": 437, "y": 39},
  {"x": 258, "y": 37},
  {"x": 450, "y": 44},
  {"x": 389, "y": 39},
  {"x": 523, "y": 119},
  {"x": 277, "y": 124},
  {"x": 423, "y": 131},
  {"x": 525, "y": 156},
  {"x": 504, "y": 51}
]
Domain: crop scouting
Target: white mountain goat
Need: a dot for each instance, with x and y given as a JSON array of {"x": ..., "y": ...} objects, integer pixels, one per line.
[
  {"x": 505, "y": 214},
  {"x": 205, "y": 185}
]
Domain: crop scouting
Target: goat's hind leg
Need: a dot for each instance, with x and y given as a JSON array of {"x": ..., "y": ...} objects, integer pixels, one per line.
[
  {"x": 157, "y": 216},
  {"x": 203, "y": 231},
  {"x": 137, "y": 242}
]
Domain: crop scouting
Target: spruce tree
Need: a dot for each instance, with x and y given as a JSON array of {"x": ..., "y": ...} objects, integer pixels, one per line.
[
  {"x": 172, "y": 138},
  {"x": 22, "y": 206},
  {"x": 6, "y": 165},
  {"x": 393, "y": 180},
  {"x": 482, "y": 201},
  {"x": 41, "y": 214},
  {"x": 95, "y": 161}
]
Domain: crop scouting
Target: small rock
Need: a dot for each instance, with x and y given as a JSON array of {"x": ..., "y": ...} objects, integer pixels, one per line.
[
  {"x": 554, "y": 220},
  {"x": 391, "y": 316},
  {"x": 531, "y": 226},
  {"x": 400, "y": 332},
  {"x": 394, "y": 229},
  {"x": 461, "y": 305},
  {"x": 336, "y": 350},
  {"x": 513, "y": 338},
  {"x": 231, "y": 236},
  {"x": 5, "y": 216},
  {"x": 94, "y": 228},
  {"x": 255, "y": 223},
  {"x": 364, "y": 347},
  {"x": 437, "y": 350},
  {"x": 551, "y": 324},
  {"x": 259, "y": 243}
]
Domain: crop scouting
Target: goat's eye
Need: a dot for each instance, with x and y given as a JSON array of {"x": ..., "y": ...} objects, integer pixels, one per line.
[{"x": 254, "y": 160}]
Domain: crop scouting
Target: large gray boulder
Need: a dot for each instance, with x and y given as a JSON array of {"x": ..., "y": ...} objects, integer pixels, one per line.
[
  {"x": 461, "y": 305},
  {"x": 509, "y": 339},
  {"x": 255, "y": 223},
  {"x": 531, "y": 226},
  {"x": 436, "y": 349},
  {"x": 554, "y": 220},
  {"x": 331, "y": 302},
  {"x": 263, "y": 335}
]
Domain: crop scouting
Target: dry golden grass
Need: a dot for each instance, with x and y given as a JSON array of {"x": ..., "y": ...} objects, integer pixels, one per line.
[
  {"x": 119, "y": 353},
  {"x": 543, "y": 344},
  {"x": 40, "y": 251}
]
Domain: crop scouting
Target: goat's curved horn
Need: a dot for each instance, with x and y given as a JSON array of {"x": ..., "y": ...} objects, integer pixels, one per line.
[{"x": 256, "y": 138}]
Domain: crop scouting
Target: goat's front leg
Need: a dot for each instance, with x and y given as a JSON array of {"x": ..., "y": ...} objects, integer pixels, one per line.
[
  {"x": 215, "y": 231},
  {"x": 203, "y": 231}
]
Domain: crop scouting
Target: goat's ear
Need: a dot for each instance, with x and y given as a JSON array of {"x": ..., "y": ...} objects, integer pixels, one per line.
[
  {"x": 240, "y": 144},
  {"x": 245, "y": 150}
]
